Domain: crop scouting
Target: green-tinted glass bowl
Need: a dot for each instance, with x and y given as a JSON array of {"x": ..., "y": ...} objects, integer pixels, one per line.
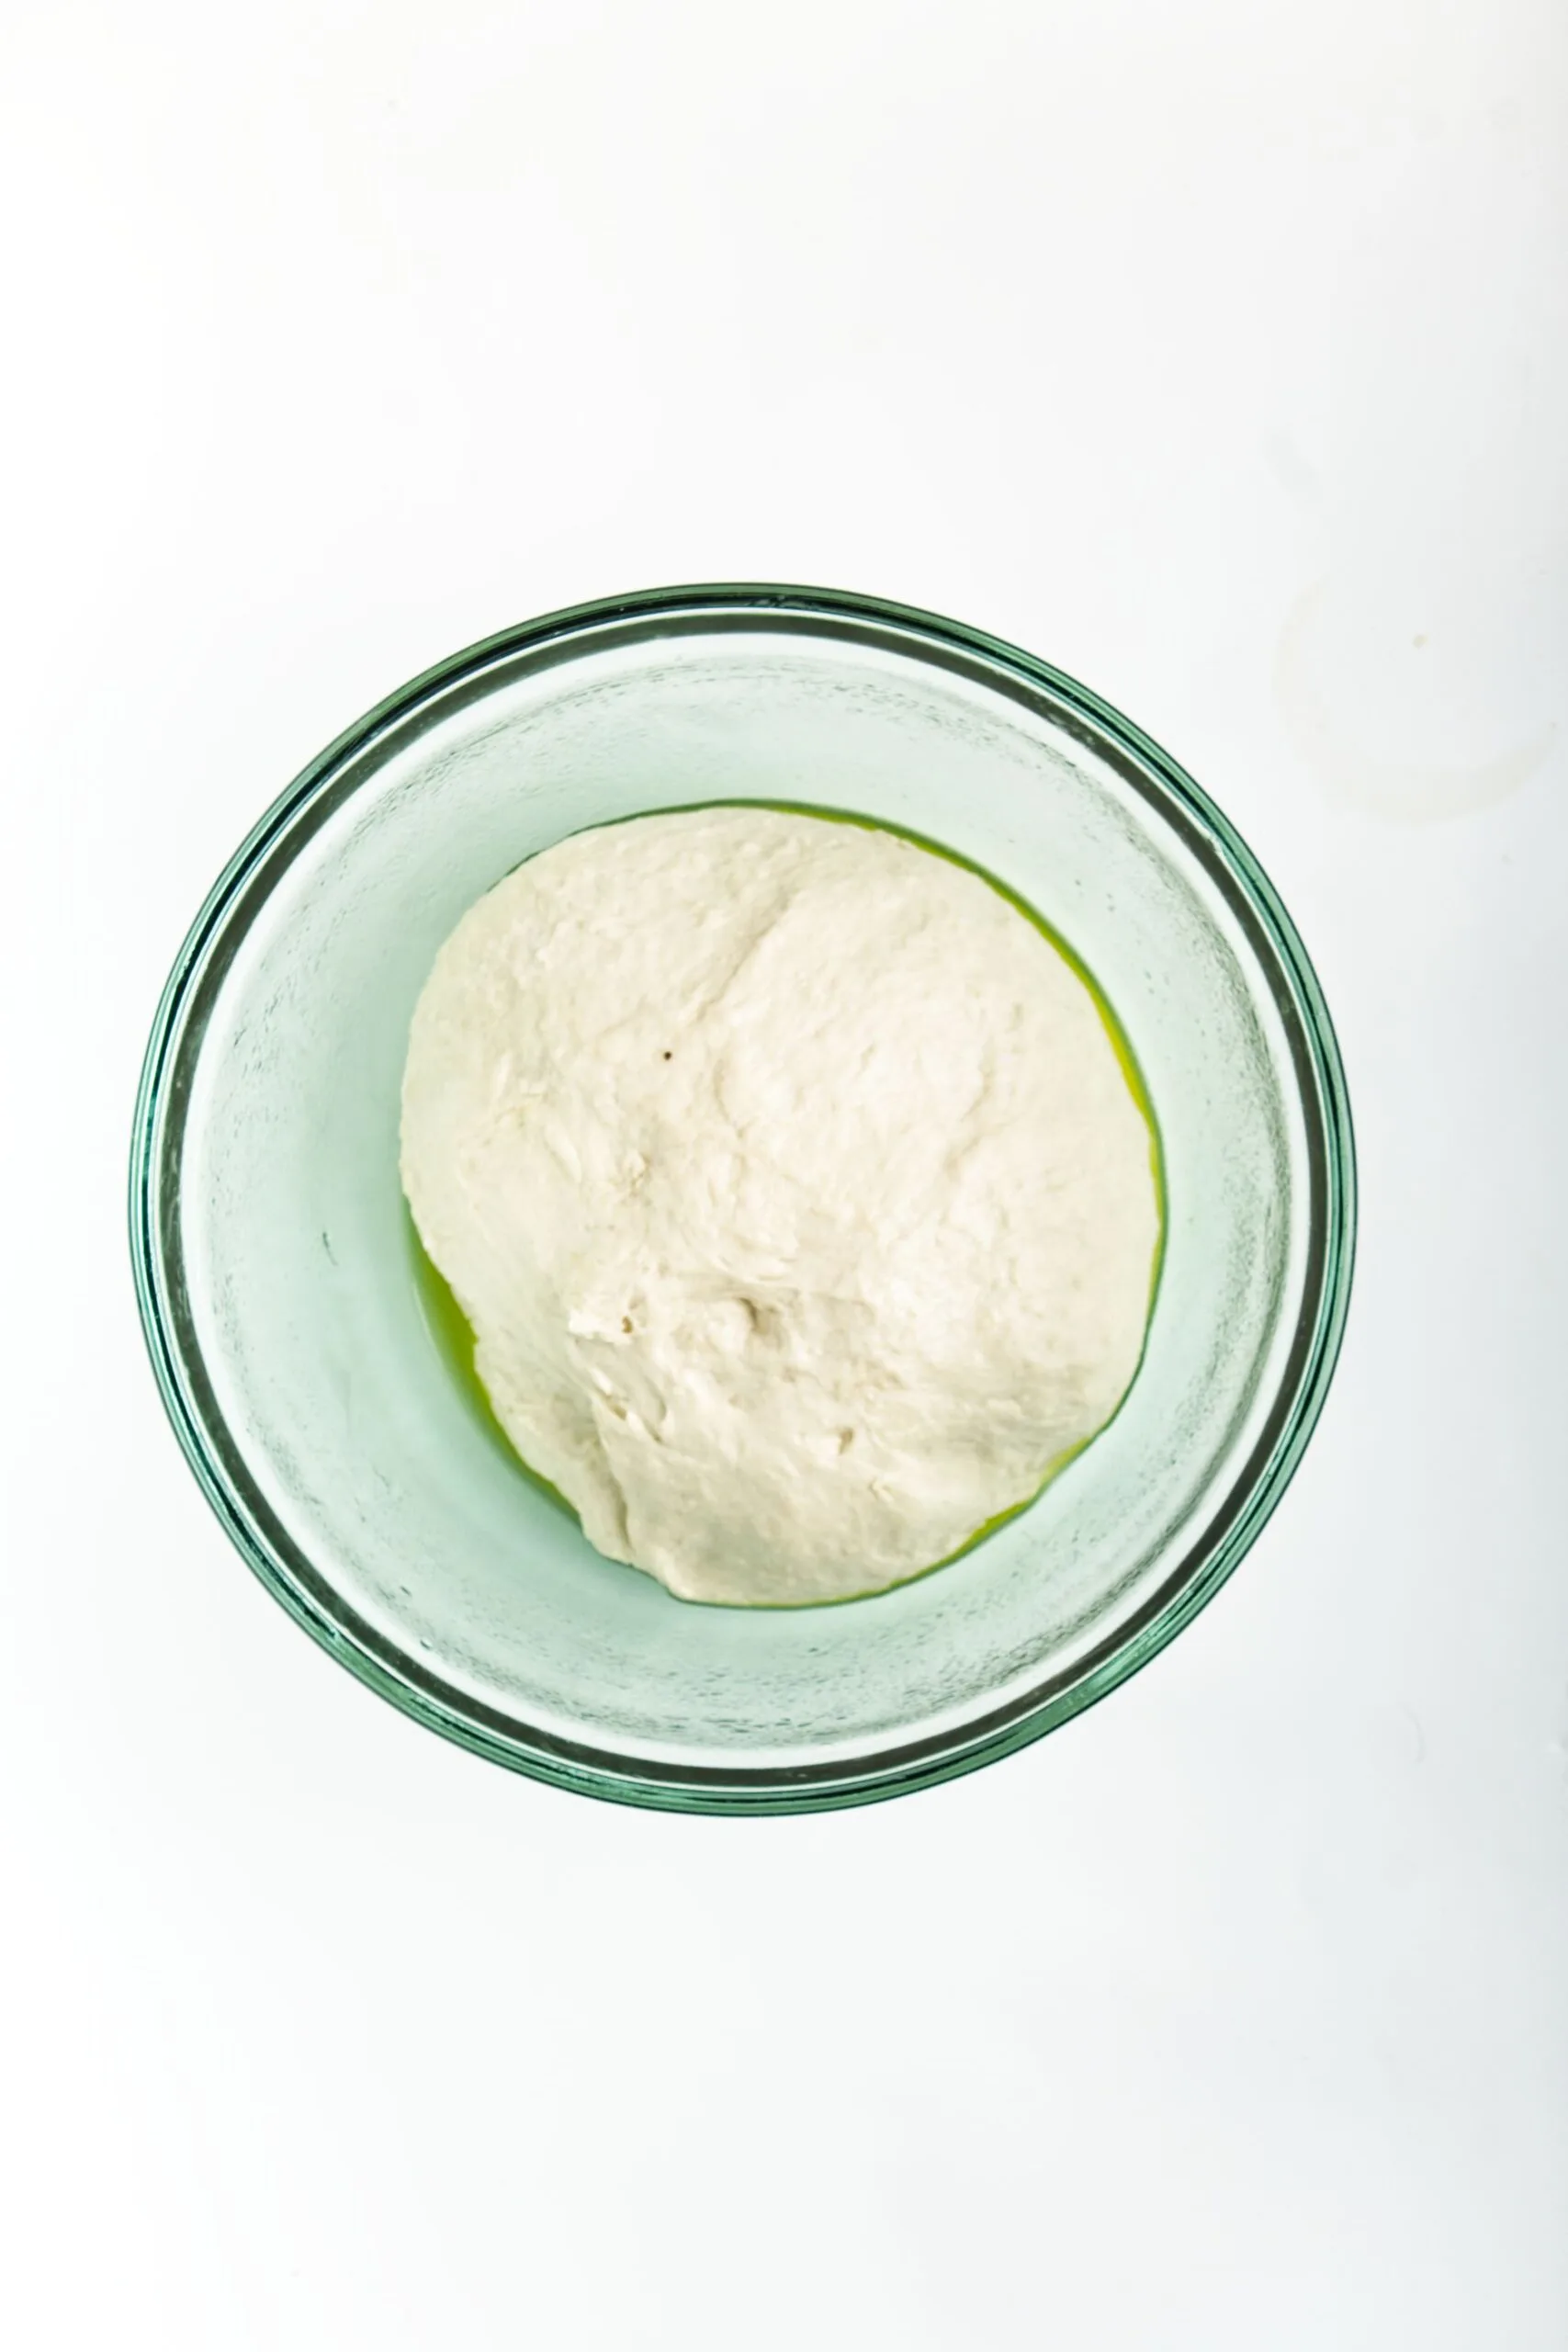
[{"x": 292, "y": 1336}]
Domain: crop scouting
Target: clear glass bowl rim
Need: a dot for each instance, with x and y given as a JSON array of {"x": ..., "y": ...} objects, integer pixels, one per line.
[{"x": 418, "y": 1689}]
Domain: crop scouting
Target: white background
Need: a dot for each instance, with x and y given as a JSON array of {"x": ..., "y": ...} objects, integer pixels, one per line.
[{"x": 1218, "y": 353}]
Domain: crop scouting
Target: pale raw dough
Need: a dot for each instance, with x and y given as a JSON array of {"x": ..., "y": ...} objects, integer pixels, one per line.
[{"x": 792, "y": 1187}]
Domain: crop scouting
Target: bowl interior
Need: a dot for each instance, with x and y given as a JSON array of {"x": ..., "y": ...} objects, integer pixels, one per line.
[{"x": 281, "y": 1284}]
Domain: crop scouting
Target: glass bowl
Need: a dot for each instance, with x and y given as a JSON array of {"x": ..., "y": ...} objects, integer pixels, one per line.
[{"x": 296, "y": 1342}]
